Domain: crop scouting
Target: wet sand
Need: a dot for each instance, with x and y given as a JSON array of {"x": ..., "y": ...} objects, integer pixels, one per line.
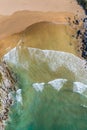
[
  {"x": 44, "y": 35},
  {"x": 20, "y": 20},
  {"x": 56, "y": 12},
  {"x": 37, "y": 11},
  {"x": 27, "y": 27}
]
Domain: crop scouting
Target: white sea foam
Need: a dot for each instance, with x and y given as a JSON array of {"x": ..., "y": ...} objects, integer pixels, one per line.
[
  {"x": 79, "y": 88},
  {"x": 54, "y": 59},
  {"x": 19, "y": 96},
  {"x": 12, "y": 55},
  {"x": 38, "y": 86},
  {"x": 85, "y": 106},
  {"x": 57, "y": 83}
]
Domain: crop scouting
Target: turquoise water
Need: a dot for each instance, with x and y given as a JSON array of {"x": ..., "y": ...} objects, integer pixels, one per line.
[{"x": 48, "y": 109}]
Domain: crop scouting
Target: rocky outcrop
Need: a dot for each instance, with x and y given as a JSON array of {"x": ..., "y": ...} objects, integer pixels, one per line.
[
  {"x": 83, "y": 3},
  {"x": 7, "y": 85}
]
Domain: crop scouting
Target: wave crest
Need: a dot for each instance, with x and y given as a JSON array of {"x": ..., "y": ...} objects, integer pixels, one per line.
[{"x": 27, "y": 57}]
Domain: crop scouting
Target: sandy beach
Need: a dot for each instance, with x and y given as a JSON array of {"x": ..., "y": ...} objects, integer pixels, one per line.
[
  {"x": 9, "y": 6},
  {"x": 47, "y": 25},
  {"x": 11, "y": 36},
  {"x": 56, "y": 12}
]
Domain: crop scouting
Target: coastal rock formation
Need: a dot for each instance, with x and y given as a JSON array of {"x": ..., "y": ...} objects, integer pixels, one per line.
[
  {"x": 7, "y": 85},
  {"x": 83, "y": 3}
]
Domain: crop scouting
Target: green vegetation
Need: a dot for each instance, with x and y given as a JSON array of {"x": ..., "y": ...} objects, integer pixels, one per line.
[{"x": 83, "y": 3}]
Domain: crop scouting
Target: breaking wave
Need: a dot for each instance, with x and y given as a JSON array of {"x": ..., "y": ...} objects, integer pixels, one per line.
[
  {"x": 24, "y": 57},
  {"x": 38, "y": 86},
  {"x": 57, "y": 83},
  {"x": 80, "y": 88},
  {"x": 40, "y": 73},
  {"x": 19, "y": 96},
  {"x": 27, "y": 57}
]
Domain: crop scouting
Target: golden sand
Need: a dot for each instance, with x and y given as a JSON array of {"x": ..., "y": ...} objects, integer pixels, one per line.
[
  {"x": 11, "y": 6},
  {"x": 54, "y": 34},
  {"x": 43, "y": 35},
  {"x": 22, "y": 19}
]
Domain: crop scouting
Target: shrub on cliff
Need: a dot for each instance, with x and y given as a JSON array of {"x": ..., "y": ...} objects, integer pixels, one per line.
[{"x": 83, "y": 3}]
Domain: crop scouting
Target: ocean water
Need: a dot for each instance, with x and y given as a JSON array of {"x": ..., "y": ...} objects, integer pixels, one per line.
[{"x": 52, "y": 90}]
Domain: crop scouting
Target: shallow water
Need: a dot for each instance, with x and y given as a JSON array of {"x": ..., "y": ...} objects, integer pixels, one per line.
[{"x": 47, "y": 97}]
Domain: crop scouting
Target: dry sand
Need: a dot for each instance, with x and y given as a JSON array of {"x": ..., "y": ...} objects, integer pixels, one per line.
[
  {"x": 54, "y": 34},
  {"x": 11, "y": 6},
  {"x": 22, "y": 19},
  {"x": 19, "y": 21}
]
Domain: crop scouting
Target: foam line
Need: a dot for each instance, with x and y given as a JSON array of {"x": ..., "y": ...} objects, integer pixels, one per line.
[{"x": 57, "y": 83}]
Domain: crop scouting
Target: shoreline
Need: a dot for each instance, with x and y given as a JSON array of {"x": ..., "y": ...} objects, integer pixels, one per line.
[{"x": 7, "y": 81}]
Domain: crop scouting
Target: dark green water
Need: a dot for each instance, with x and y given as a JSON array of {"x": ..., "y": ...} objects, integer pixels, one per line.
[{"x": 49, "y": 109}]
